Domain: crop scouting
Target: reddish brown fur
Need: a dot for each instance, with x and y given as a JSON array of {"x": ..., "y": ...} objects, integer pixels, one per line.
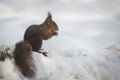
[{"x": 36, "y": 33}]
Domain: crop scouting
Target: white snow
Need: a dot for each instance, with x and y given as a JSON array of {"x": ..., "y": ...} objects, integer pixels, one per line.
[{"x": 76, "y": 64}]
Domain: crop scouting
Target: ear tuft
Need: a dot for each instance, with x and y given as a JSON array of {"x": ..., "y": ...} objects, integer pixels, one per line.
[
  {"x": 49, "y": 18},
  {"x": 49, "y": 15}
]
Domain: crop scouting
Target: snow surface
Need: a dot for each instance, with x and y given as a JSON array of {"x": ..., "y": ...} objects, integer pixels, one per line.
[{"x": 76, "y": 64}]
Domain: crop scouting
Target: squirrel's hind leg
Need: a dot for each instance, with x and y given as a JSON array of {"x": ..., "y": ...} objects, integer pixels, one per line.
[{"x": 44, "y": 53}]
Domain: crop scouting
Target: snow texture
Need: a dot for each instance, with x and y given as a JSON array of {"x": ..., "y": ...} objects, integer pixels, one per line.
[{"x": 73, "y": 64}]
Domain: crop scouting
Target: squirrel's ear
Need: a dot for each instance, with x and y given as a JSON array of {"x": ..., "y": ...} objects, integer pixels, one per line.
[
  {"x": 49, "y": 18},
  {"x": 49, "y": 15}
]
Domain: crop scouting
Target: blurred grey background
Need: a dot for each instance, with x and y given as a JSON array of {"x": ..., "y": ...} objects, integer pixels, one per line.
[{"x": 87, "y": 24}]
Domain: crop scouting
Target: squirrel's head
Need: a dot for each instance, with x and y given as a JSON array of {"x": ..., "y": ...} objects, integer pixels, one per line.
[{"x": 50, "y": 27}]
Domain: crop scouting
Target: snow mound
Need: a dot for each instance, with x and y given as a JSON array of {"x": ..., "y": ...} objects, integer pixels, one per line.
[{"x": 70, "y": 65}]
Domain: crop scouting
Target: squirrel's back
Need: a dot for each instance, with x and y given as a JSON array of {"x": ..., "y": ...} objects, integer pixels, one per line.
[{"x": 23, "y": 58}]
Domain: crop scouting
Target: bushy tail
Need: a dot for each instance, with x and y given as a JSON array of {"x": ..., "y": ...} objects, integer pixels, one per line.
[{"x": 23, "y": 58}]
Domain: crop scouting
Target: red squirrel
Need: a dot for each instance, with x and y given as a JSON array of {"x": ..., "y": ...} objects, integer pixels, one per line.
[{"x": 33, "y": 37}]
